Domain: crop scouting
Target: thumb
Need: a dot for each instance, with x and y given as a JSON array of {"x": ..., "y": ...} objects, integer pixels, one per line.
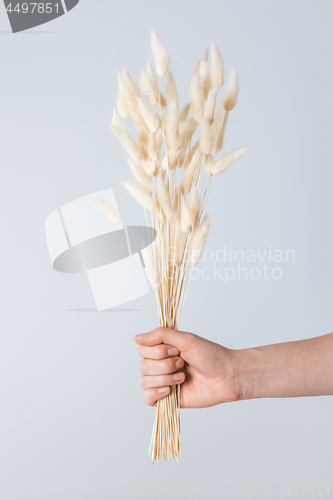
[{"x": 183, "y": 341}]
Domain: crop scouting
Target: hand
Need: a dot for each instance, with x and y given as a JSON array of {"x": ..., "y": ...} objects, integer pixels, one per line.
[{"x": 205, "y": 370}]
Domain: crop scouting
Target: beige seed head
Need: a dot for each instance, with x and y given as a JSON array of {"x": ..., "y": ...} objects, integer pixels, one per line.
[
  {"x": 219, "y": 125},
  {"x": 121, "y": 100},
  {"x": 107, "y": 210},
  {"x": 209, "y": 109},
  {"x": 148, "y": 115},
  {"x": 206, "y": 136},
  {"x": 171, "y": 159},
  {"x": 203, "y": 56},
  {"x": 116, "y": 120},
  {"x": 185, "y": 216},
  {"x": 163, "y": 196},
  {"x": 159, "y": 97},
  {"x": 190, "y": 154},
  {"x": 173, "y": 139},
  {"x": 127, "y": 141},
  {"x": 148, "y": 164},
  {"x": 193, "y": 205},
  {"x": 184, "y": 112},
  {"x": 196, "y": 97},
  {"x": 199, "y": 240},
  {"x": 152, "y": 149},
  {"x": 160, "y": 54},
  {"x": 186, "y": 130},
  {"x": 205, "y": 78},
  {"x": 227, "y": 160},
  {"x": 140, "y": 195},
  {"x": 208, "y": 162},
  {"x": 171, "y": 87},
  {"x": 230, "y": 98},
  {"x": 140, "y": 175},
  {"x": 132, "y": 92},
  {"x": 191, "y": 170},
  {"x": 217, "y": 66}
]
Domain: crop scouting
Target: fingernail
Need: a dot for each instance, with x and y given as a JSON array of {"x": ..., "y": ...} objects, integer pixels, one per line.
[
  {"x": 140, "y": 336},
  {"x": 172, "y": 351},
  {"x": 178, "y": 376},
  {"x": 179, "y": 363},
  {"x": 162, "y": 389}
]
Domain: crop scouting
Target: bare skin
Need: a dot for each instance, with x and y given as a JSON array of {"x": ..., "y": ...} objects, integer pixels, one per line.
[{"x": 211, "y": 374}]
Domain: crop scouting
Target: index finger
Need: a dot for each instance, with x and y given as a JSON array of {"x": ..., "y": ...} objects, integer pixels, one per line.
[{"x": 160, "y": 351}]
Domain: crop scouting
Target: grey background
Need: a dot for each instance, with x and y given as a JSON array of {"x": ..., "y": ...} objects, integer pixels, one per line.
[{"x": 72, "y": 421}]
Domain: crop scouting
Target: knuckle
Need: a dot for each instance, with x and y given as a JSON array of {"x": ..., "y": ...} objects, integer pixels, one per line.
[
  {"x": 148, "y": 397},
  {"x": 143, "y": 366},
  {"x": 165, "y": 380},
  {"x": 160, "y": 351},
  {"x": 169, "y": 365},
  {"x": 161, "y": 329},
  {"x": 143, "y": 382}
]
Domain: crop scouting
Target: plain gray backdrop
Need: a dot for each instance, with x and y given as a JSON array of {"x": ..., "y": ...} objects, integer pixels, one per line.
[{"x": 73, "y": 425}]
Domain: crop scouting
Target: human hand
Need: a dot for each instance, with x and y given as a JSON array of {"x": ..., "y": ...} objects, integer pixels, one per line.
[{"x": 205, "y": 370}]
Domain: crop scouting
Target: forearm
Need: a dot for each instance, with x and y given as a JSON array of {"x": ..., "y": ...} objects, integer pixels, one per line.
[{"x": 291, "y": 369}]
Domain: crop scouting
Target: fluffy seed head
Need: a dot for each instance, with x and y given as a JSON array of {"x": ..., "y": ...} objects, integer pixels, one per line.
[
  {"x": 107, "y": 210},
  {"x": 185, "y": 215},
  {"x": 190, "y": 172},
  {"x": 171, "y": 87},
  {"x": 230, "y": 98},
  {"x": 196, "y": 97},
  {"x": 159, "y": 97},
  {"x": 173, "y": 138},
  {"x": 208, "y": 162},
  {"x": 209, "y": 109},
  {"x": 217, "y": 66},
  {"x": 193, "y": 206},
  {"x": 184, "y": 112},
  {"x": 206, "y": 136},
  {"x": 116, "y": 120},
  {"x": 140, "y": 175},
  {"x": 148, "y": 115},
  {"x": 127, "y": 141},
  {"x": 199, "y": 240},
  {"x": 160, "y": 54},
  {"x": 121, "y": 100},
  {"x": 203, "y": 56},
  {"x": 163, "y": 196},
  {"x": 205, "y": 78},
  {"x": 186, "y": 130},
  {"x": 140, "y": 195},
  {"x": 132, "y": 92},
  {"x": 219, "y": 125},
  {"x": 227, "y": 160}
]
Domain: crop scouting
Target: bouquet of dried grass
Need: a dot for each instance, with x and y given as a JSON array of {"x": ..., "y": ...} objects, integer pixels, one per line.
[{"x": 173, "y": 160}]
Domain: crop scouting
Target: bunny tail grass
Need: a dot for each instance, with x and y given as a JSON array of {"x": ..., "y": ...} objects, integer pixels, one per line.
[
  {"x": 107, "y": 210},
  {"x": 173, "y": 162}
]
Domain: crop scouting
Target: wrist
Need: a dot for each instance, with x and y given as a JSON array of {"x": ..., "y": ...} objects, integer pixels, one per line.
[{"x": 249, "y": 373}]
